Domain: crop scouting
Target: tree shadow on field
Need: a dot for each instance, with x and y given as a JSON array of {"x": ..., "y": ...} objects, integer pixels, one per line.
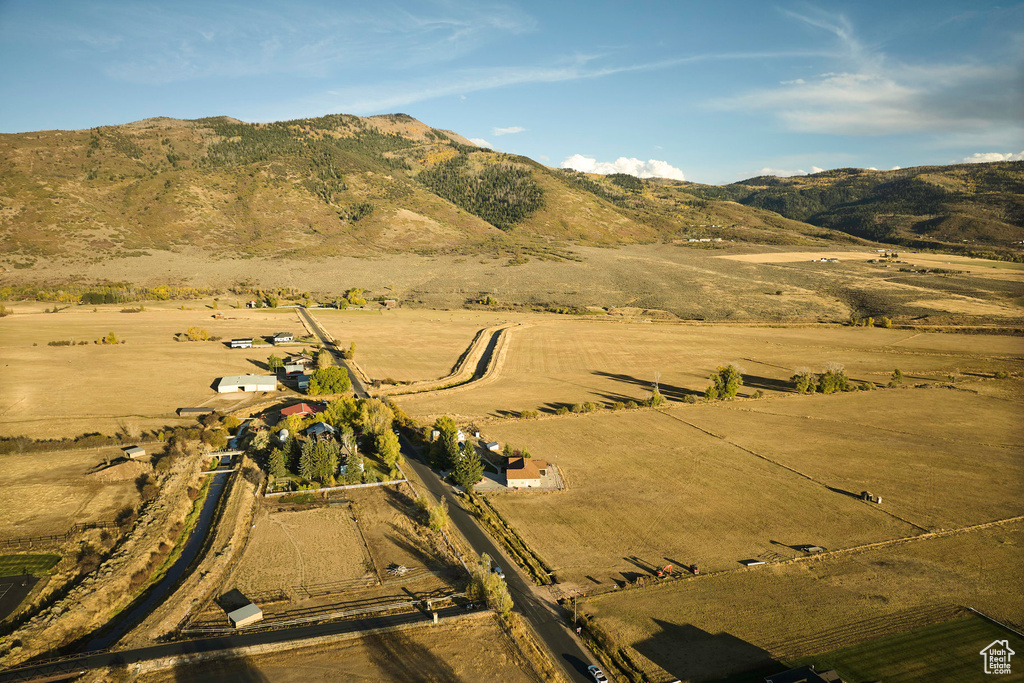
[
  {"x": 231, "y": 668},
  {"x": 398, "y": 658},
  {"x": 667, "y": 390},
  {"x": 690, "y": 653},
  {"x": 851, "y": 494},
  {"x": 642, "y": 564},
  {"x": 768, "y": 384},
  {"x": 259, "y": 364}
]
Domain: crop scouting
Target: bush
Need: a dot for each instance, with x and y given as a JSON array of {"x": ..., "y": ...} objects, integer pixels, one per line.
[
  {"x": 632, "y": 405},
  {"x": 758, "y": 394},
  {"x": 618, "y": 405},
  {"x": 577, "y": 407},
  {"x": 689, "y": 398},
  {"x": 528, "y": 414},
  {"x": 561, "y": 410},
  {"x": 1002, "y": 374}
]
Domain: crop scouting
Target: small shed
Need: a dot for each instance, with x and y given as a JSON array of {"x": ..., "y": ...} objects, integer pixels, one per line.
[
  {"x": 303, "y": 381},
  {"x": 493, "y": 446},
  {"x": 133, "y": 451},
  {"x": 241, "y": 343},
  {"x": 246, "y": 615},
  {"x": 283, "y": 337}
]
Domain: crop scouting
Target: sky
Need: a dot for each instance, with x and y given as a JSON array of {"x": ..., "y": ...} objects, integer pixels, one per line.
[{"x": 710, "y": 92}]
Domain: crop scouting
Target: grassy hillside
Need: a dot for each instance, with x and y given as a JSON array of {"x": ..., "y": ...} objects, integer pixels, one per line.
[
  {"x": 970, "y": 207},
  {"x": 336, "y": 185}
]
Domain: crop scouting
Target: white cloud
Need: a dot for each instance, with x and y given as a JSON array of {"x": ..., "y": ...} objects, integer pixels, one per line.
[
  {"x": 480, "y": 142},
  {"x": 872, "y": 94},
  {"x": 652, "y": 168},
  {"x": 508, "y": 131},
  {"x": 783, "y": 173},
  {"x": 895, "y": 168},
  {"x": 986, "y": 157}
]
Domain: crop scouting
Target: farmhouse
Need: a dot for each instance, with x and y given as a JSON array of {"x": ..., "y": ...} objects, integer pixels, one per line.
[
  {"x": 283, "y": 337},
  {"x": 298, "y": 359},
  {"x": 320, "y": 429},
  {"x": 228, "y": 385},
  {"x": 244, "y": 616},
  {"x": 301, "y": 409},
  {"x": 133, "y": 451},
  {"x": 241, "y": 343},
  {"x": 525, "y": 472}
]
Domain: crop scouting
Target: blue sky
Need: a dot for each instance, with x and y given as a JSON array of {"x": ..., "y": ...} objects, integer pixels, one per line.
[{"x": 706, "y": 91}]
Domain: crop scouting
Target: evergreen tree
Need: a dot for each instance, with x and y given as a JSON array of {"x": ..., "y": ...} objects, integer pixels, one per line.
[
  {"x": 277, "y": 464},
  {"x": 469, "y": 468}
]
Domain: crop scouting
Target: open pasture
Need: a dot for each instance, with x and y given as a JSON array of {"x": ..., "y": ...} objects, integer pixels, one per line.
[
  {"x": 941, "y": 458},
  {"x": 710, "y": 626},
  {"x": 564, "y": 361},
  {"x": 46, "y": 493},
  {"x": 715, "y": 484},
  {"x": 645, "y": 489},
  {"x": 56, "y": 391},
  {"x": 312, "y": 550},
  {"x": 475, "y": 649},
  {"x": 407, "y": 344}
]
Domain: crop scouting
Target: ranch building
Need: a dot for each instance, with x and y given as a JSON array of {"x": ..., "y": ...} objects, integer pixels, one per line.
[
  {"x": 303, "y": 381},
  {"x": 492, "y": 446},
  {"x": 229, "y": 385},
  {"x": 524, "y": 473},
  {"x": 302, "y": 410},
  {"x": 283, "y": 337},
  {"x": 241, "y": 343},
  {"x": 244, "y": 616},
  {"x": 133, "y": 451}
]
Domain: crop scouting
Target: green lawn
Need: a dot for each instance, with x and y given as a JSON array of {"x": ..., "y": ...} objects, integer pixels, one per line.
[
  {"x": 940, "y": 652},
  {"x": 16, "y": 565}
]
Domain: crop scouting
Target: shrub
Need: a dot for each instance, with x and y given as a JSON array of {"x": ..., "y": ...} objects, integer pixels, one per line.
[
  {"x": 1002, "y": 374},
  {"x": 689, "y": 398},
  {"x": 618, "y": 405},
  {"x": 577, "y": 407},
  {"x": 834, "y": 379},
  {"x": 561, "y": 410},
  {"x": 632, "y": 405},
  {"x": 896, "y": 379},
  {"x": 805, "y": 381},
  {"x": 757, "y": 394},
  {"x": 527, "y": 414}
]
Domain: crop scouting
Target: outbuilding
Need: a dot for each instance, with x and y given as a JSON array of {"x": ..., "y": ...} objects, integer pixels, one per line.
[
  {"x": 241, "y": 343},
  {"x": 301, "y": 409},
  {"x": 283, "y": 337},
  {"x": 245, "y": 616},
  {"x": 133, "y": 451},
  {"x": 236, "y": 383},
  {"x": 493, "y": 446}
]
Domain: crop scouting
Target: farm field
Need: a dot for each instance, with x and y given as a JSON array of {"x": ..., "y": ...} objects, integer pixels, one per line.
[
  {"x": 46, "y": 493},
  {"x": 302, "y": 561},
  {"x": 313, "y": 550},
  {"x": 708, "y": 627},
  {"x": 35, "y": 563},
  {"x": 57, "y": 391},
  {"x": 470, "y": 650},
  {"x": 407, "y": 344},
  {"x": 557, "y": 362},
  {"x": 645, "y": 490},
  {"x": 725, "y": 482},
  {"x": 939, "y": 652}
]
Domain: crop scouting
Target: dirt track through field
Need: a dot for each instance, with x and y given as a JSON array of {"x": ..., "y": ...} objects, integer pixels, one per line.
[{"x": 790, "y": 469}]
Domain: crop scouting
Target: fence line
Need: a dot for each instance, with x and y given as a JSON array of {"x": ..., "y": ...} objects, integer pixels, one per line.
[
  {"x": 337, "y": 488},
  {"x": 77, "y": 528}
]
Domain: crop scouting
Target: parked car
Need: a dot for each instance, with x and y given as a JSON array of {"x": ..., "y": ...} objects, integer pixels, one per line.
[
  {"x": 597, "y": 674},
  {"x": 497, "y": 570}
]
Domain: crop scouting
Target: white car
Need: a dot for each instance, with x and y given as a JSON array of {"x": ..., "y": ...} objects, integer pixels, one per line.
[{"x": 597, "y": 674}]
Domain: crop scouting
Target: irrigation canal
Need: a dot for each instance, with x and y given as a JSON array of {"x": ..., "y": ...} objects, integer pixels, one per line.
[{"x": 156, "y": 595}]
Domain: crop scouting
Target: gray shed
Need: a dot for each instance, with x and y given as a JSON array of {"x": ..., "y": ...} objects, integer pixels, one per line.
[{"x": 244, "y": 616}]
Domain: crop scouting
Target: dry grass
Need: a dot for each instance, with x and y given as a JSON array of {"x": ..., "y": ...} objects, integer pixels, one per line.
[
  {"x": 46, "y": 493},
  {"x": 647, "y": 490},
  {"x": 711, "y": 626},
  {"x": 313, "y": 549},
  {"x": 565, "y": 361},
  {"x": 473, "y": 650},
  {"x": 68, "y": 390},
  {"x": 407, "y": 344}
]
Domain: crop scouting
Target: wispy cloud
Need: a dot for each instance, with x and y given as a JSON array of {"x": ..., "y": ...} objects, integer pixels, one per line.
[
  {"x": 508, "y": 131},
  {"x": 154, "y": 44},
  {"x": 480, "y": 142},
  {"x": 872, "y": 94},
  {"x": 652, "y": 168}
]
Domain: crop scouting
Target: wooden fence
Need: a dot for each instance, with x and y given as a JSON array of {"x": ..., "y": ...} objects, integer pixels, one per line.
[{"x": 30, "y": 541}]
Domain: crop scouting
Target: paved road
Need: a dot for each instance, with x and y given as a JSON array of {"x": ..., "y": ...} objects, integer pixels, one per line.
[
  {"x": 102, "y": 659},
  {"x": 357, "y": 385},
  {"x": 566, "y": 649}
]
